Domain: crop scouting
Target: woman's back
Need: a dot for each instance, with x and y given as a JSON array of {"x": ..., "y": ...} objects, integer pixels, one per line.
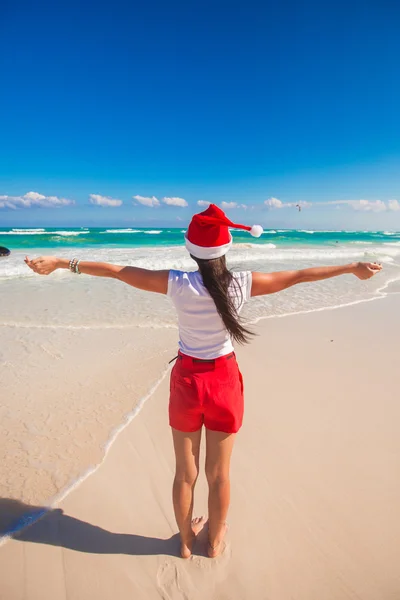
[{"x": 202, "y": 333}]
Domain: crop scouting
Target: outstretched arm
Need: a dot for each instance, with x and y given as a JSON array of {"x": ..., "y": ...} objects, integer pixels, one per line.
[
  {"x": 143, "y": 279},
  {"x": 269, "y": 283}
]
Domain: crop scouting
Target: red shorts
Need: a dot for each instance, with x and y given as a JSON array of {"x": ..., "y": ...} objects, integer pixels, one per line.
[{"x": 206, "y": 393}]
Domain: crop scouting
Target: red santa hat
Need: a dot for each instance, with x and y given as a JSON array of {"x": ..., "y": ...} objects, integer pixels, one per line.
[{"x": 208, "y": 234}]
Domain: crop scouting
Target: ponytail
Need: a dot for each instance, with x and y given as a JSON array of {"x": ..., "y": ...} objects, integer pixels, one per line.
[{"x": 216, "y": 279}]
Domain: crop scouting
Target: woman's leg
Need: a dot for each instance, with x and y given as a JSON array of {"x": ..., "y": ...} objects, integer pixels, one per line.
[
  {"x": 187, "y": 451},
  {"x": 218, "y": 455}
]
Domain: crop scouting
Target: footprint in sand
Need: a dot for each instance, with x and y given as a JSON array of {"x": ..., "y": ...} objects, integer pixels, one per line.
[{"x": 169, "y": 584}]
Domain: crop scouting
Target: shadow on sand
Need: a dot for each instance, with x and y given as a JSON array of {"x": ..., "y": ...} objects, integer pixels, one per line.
[{"x": 43, "y": 525}]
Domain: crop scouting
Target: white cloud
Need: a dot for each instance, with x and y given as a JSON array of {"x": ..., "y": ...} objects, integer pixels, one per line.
[
  {"x": 368, "y": 205},
  {"x": 33, "y": 199},
  {"x": 394, "y": 205},
  {"x": 98, "y": 200},
  {"x": 34, "y": 196},
  {"x": 147, "y": 201},
  {"x": 175, "y": 202},
  {"x": 203, "y": 203},
  {"x": 358, "y": 205},
  {"x": 273, "y": 203},
  {"x": 226, "y": 205},
  {"x": 365, "y": 205},
  {"x": 276, "y": 203}
]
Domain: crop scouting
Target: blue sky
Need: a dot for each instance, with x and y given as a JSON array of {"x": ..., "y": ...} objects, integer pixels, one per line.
[{"x": 217, "y": 101}]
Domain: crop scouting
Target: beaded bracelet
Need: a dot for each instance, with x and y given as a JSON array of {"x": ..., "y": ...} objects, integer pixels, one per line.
[{"x": 74, "y": 266}]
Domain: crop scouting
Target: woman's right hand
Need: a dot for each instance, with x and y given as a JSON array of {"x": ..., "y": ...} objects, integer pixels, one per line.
[
  {"x": 365, "y": 270},
  {"x": 44, "y": 265}
]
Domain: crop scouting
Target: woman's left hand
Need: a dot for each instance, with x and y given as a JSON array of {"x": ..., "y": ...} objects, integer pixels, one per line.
[
  {"x": 366, "y": 270},
  {"x": 44, "y": 265}
]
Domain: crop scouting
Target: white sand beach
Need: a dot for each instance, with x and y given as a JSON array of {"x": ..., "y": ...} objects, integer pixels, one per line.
[{"x": 315, "y": 487}]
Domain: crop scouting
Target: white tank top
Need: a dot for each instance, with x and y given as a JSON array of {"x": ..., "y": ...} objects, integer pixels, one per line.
[{"x": 202, "y": 333}]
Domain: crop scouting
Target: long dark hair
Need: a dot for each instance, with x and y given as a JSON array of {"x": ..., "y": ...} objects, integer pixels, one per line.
[{"x": 217, "y": 278}]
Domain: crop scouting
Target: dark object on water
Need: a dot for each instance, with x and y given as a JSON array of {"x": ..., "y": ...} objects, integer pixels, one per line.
[{"x": 4, "y": 251}]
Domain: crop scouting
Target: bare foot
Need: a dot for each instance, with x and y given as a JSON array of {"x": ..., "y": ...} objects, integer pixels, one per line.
[
  {"x": 186, "y": 547},
  {"x": 215, "y": 548}
]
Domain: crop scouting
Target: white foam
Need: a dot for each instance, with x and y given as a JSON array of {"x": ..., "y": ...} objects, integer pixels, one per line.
[
  {"x": 250, "y": 245},
  {"x": 258, "y": 256},
  {"x": 23, "y": 232},
  {"x": 38, "y": 229},
  {"x": 380, "y": 294},
  {"x": 130, "y": 230},
  {"x": 66, "y": 233},
  {"x": 154, "y": 231},
  {"x": 42, "y": 232},
  {"x": 84, "y": 327}
]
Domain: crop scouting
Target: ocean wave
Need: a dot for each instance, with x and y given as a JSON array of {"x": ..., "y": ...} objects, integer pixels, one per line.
[
  {"x": 154, "y": 231},
  {"x": 66, "y": 233},
  {"x": 250, "y": 245},
  {"x": 269, "y": 231},
  {"x": 42, "y": 232},
  {"x": 32, "y": 229},
  {"x": 122, "y": 231},
  {"x": 23, "y": 232},
  {"x": 305, "y": 231}
]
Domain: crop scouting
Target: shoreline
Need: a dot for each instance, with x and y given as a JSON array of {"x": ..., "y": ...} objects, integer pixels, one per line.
[{"x": 91, "y": 470}]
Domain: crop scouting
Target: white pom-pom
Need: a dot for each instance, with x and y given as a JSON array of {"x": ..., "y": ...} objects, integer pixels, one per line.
[{"x": 256, "y": 230}]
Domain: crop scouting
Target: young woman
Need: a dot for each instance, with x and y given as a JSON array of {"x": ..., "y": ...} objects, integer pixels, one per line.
[{"x": 206, "y": 385}]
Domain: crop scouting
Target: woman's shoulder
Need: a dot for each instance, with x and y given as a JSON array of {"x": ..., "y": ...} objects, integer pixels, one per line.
[
  {"x": 242, "y": 275},
  {"x": 178, "y": 280},
  {"x": 244, "y": 280}
]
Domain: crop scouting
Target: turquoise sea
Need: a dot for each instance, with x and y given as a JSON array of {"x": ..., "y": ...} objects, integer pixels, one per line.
[
  {"x": 101, "y": 237},
  {"x": 163, "y": 248}
]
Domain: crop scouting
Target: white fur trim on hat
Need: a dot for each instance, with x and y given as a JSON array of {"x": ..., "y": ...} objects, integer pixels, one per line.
[
  {"x": 207, "y": 253},
  {"x": 256, "y": 230}
]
